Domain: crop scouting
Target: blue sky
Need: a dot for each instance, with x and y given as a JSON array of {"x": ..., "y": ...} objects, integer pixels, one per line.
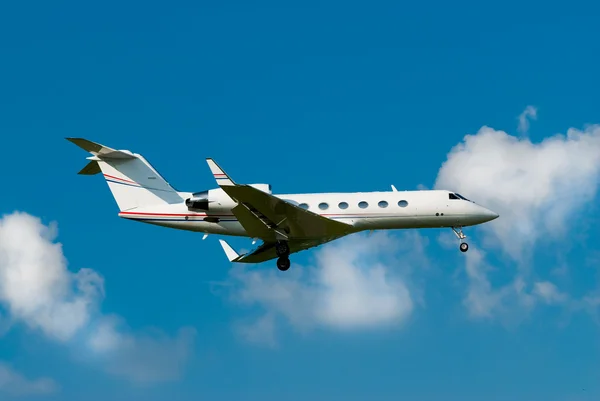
[{"x": 322, "y": 96}]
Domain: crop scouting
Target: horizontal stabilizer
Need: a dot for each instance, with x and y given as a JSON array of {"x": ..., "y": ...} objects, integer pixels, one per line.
[
  {"x": 101, "y": 151},
  {"x": 91, "y": 168},
  {"x": 229, "y": 252}
]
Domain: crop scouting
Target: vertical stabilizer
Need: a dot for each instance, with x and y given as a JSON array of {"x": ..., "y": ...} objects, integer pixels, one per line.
[{"x": 131, "y": 179}]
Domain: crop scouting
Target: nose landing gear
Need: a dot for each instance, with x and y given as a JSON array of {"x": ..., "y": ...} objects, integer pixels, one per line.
[{"x": 464, "y": 247}]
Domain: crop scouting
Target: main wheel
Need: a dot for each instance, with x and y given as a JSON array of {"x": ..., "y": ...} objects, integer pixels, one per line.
[
  {"x": 283, "y": 264},
  {"x": 464, "y": 247},
  {"x": 282, "y": 248}
]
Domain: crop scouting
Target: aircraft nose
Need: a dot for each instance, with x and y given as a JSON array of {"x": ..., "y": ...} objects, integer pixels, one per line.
[{"x": 488, "y": 215}]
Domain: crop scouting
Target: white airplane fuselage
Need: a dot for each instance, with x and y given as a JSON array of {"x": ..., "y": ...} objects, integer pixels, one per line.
[
  {"x": 382, "y": 211},
  {"x": 285, "y": 223}
]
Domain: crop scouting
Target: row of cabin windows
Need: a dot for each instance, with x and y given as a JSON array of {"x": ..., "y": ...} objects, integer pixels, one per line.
[{"x": 362, "y": 205}]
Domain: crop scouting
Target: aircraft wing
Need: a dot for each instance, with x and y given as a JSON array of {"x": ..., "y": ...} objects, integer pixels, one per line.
[
  {"x": 270, "y": 218},
  {"x": 266, "y": 251}
]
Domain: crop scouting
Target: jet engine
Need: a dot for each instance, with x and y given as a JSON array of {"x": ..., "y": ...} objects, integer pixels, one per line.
[
  {"x": 216, "y": 200},
  {"x": 198, "y": 201}
]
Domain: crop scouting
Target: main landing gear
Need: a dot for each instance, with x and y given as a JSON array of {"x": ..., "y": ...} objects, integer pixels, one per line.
[
  {"x": 283, "y": 251},
  {"x": 464, "y": 247}
]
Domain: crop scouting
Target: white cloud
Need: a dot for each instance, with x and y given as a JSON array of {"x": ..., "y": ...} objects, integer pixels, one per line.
[
  {"x": 34, "y": 283},
  {"x": 535, "y": 187},
  {"x": 145, "y": 357},
  {"x": 260, "y": 331},
  {"x": 37, "y": 289},
  {"x": 548, "y": 292},
  {"x": 530, "y": 112},
  {"x": 589, "y": 303},
  {"x": 15, "y": 384},
  {"x": 484, "y": 301},
  {"x": 510, "y": 302},
  {"x": 357, "y": 282},
  {"x": 357, "y": 288}
]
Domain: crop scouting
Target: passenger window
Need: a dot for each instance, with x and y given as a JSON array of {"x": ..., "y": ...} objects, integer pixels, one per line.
[
  {"x": 402, "y": 203},
  {"x": 363, "y": 205},
  {"x": 452, "y": 196},
  {"x": 323, "y": 206},
  {"x": 343, "y": 205},
  {"x": 383, "y": 204},
  {"x": 303, "y": 206}
]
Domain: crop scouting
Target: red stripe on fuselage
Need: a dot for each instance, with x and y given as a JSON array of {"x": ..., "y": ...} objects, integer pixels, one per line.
[
  {"x": 120, "y": 179},
  {"x": 229, "y": 215},
  {"x": 174, "y": 214}
]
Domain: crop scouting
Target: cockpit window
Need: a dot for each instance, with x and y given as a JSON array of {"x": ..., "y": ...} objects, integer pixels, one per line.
[
  {"x": 462, "y": 197},
  {"x": 458, "y": 196}
]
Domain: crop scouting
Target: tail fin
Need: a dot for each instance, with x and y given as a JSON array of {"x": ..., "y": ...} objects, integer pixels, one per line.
[{"x": 131, "y": 179}]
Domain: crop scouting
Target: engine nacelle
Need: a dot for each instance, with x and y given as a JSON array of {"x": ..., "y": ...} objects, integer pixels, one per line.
[
  {"x": 216, "y": 200},
  {"x": 198, "y": 201}
]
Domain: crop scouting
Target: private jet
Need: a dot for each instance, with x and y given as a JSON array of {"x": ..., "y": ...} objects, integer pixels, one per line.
[{"x": 284, "y": 223}]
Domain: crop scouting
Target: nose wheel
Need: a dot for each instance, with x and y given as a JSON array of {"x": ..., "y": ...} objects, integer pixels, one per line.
[{"x": 464, "y": 247}]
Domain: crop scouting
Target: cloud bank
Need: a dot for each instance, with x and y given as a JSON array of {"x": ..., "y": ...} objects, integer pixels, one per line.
[
  {"x": 538, "y": 189},
  {"x": 15, "y": 384},
  {"x": 356, "y": 283},
  {"x": 37, "y": 290},
  {"x": 146, "y": 357},
  {"x": 510, "y": 303},
  {"x": 35, "y": 285}
]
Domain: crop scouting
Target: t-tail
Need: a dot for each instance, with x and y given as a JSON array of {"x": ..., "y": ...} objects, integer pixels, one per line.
[{"x": 132, "y": 180}]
